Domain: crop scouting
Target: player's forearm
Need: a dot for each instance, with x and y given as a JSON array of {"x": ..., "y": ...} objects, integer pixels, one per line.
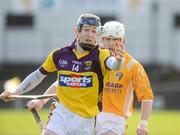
[
  {"x": 114, "y": 64},
  {"x": 146, "y": 108},
  {"x": 30, "y": 82},
  {"x": 50, "y": 90}
]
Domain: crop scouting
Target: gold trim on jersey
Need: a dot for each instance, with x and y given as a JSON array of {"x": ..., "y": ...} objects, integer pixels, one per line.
[
  {"x": 130, "y": 64},
  {"x": 80, "y": 55},
  {"x": 128, "y": 100}
]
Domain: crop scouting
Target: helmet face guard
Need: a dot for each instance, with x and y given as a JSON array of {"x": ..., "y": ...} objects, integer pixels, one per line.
[{"x": 86, "y": 46}]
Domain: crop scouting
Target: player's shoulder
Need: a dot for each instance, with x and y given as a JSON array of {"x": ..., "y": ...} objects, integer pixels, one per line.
[
  {"x": 104, "y": 53},
  {"x": 56, "y": 50},
  {"x": 131, "y": 62},
  {"x": 61, "y": 50},
  {"x": 56, "y": 53},
  {"x": 103, "y": 50},
  {"x": 65, "y": 48}
]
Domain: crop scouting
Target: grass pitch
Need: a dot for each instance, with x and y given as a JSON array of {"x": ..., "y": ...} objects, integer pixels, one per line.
[{"x": 21, "y": 122}]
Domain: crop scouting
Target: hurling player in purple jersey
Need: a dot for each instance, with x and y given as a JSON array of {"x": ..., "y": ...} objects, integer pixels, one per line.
[{"x": 81, "y": 68}]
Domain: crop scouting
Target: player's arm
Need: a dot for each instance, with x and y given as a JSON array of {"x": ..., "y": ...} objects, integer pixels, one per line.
[
  {"x": 30, "y": 82},
  {"x": 146, "y": 108},
  {"x": 145, "y": 96},
  {"x": 109, "y": 62},
  {"x": 113, "y": 63},
  {"x": 116, "y": 61},
  {"x": 39, "y": 103},
  {"x": 50, "y": 90}
]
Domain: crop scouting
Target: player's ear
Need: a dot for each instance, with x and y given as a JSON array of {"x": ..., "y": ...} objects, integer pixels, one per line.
[
  {"x": 124, "y": 41},
  {"x": 76, "y": 30}
]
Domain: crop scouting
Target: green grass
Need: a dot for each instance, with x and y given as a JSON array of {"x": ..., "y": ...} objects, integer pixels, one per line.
[
  {"x": 21, "y": 122},
  {"x": 160, "y": 123}
]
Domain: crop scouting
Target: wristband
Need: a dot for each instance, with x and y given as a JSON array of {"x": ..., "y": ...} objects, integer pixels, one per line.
[{"x": 143, "y": 123}]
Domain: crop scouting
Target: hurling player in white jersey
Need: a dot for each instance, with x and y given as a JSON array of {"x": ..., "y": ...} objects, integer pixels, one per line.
[
  {"x": 121, "y": 86},
  {"x": 80, "y": 69}
]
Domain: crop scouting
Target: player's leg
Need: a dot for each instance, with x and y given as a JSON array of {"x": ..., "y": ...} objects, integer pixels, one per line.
[
  {"x": 108, "y": 133},
  {"x": 76, "y": 124},
  {"x": 48, "y": 132},
  {"x": 55, "y": 124},
  {"x": 110, "y": 124},
  {"x": 62, "y": 121},
  {"x": 85, "y": 126}
]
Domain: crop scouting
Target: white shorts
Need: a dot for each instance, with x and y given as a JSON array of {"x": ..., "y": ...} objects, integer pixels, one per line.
[
  {"x": 110, "y": 122},
  {"x": 64, "y": 122}
]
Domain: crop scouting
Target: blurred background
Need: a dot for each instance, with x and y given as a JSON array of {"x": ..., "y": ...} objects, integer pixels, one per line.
[{"x": 30, "y": 29}]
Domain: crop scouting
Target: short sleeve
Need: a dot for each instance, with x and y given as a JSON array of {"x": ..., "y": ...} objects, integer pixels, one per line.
[
  {"x": 48, "y": 65},
  {"x": 104, "y": 55},
  {"x": 141, "y": 83}
]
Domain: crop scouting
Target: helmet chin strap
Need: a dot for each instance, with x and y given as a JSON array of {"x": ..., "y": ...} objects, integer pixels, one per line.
[{"x": 86, "y": 46}]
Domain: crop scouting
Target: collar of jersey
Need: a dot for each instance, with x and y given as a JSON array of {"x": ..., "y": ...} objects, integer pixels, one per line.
[{"x": 80, "y": 55}]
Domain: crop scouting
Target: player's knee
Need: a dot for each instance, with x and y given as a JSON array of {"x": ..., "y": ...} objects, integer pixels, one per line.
[{"x": 48, "y": 132}]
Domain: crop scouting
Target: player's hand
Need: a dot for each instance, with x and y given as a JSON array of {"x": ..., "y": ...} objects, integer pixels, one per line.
[
  {"x": 36, "y": 103},
  {"x": 5, "y": 96},
  {"x": 142, "y": 130},
  {"x": 118, "y": 50}
]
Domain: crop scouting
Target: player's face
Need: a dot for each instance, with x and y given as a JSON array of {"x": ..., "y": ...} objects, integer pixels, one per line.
[
  {"x": 110, "y": 43},
  {"x": 87, "y": 35}
]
